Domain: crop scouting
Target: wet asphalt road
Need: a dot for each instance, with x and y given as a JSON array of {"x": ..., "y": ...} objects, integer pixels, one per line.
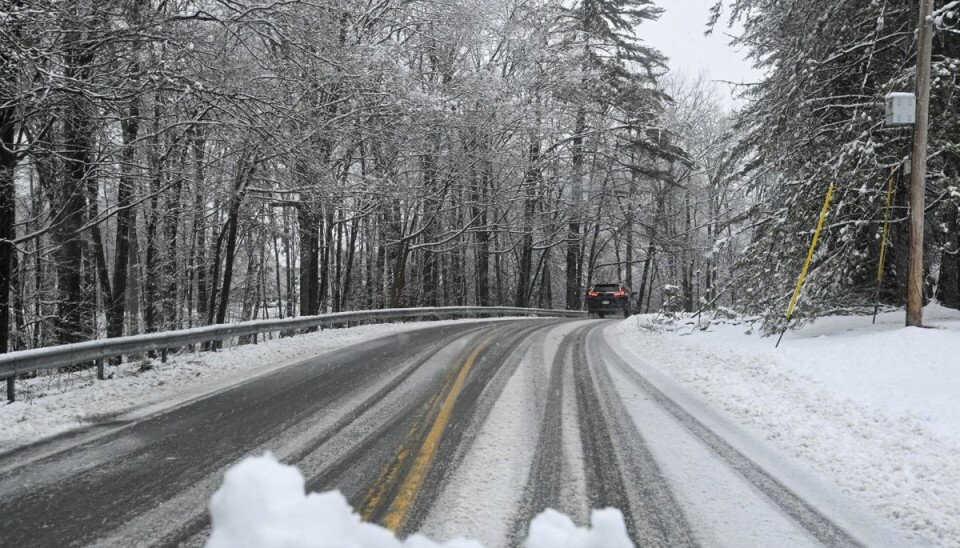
[{"x": 387, "y": 422}]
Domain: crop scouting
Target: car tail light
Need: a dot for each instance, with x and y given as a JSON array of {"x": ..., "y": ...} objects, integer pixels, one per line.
[
  {"x": 622, "y": 293},
  {"x": 593, "y": 294}
]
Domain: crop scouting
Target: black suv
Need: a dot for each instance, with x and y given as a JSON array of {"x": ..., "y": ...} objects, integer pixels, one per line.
[{"x": 603, "y": 299}]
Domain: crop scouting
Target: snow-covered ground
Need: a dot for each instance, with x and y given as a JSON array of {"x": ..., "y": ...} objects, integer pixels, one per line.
[
  {"x": 263, "y": 504},
  {"x": 874, "y": 409},
  {"x": 52, "y": 404}
]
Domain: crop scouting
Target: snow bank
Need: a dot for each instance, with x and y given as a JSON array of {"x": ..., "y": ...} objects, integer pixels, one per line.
[
  {"x": 262, "y": 504},
  {"x": 906, "y": 370},
  {"x": 873, "y": 409},
  {"x": 552, "y": 529}
]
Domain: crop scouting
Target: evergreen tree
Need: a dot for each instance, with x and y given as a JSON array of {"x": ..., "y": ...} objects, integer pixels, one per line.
[
  {"x": 816, "y": 119},
  {"x": 618, "y": 72}
]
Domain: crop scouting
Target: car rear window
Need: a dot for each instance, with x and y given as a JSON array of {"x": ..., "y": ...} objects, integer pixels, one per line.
[{"x": 606, "y": 288}]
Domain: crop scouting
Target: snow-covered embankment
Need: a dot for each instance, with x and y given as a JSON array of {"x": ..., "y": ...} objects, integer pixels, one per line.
[{"x": 874, "y": 409}]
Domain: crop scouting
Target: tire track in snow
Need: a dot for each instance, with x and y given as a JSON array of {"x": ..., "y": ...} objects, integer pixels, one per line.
[
  {"x": 542, "y": 489},
  {"x": 483, "y": 491},
  {"x": 481, "y": 388},
  {"x": 485, "y": 391},
  {"x": 621, "y": 471}
]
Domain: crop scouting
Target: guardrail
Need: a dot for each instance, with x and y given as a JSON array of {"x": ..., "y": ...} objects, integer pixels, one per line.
[{"x": 51, "y": 357}]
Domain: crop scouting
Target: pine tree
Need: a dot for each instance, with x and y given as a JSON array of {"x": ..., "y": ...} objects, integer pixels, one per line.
[
  {"x": 617, "y": 71},
  {"x": 817, "y": 119}
]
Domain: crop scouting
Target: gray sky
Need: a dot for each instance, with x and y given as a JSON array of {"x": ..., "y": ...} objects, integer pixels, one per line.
[{"x": 679, "y": 35}]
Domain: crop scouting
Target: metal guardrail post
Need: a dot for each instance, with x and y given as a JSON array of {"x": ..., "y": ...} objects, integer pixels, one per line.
[
  {"x": 100, "y": 369},
  {"x": 11, "y": 391}
]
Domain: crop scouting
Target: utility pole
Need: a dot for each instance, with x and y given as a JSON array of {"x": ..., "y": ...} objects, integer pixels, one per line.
[{"x": 918, "y": 166}]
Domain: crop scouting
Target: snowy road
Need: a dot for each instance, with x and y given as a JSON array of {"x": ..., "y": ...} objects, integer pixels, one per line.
[{"x": 458, "y": 430}]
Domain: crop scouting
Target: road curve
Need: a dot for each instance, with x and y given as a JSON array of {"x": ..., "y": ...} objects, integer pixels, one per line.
[{"x": 465, "y": 429}]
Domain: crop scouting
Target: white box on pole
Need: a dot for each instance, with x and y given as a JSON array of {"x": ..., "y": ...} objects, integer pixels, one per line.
[{"x": 901, "y": 109}]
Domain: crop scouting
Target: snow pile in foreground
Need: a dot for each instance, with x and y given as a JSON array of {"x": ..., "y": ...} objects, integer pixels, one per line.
[
  {"x": 552, "y": 529},
  {"x": 262, "y": 504},
  {"x": 875, "y": 409}
]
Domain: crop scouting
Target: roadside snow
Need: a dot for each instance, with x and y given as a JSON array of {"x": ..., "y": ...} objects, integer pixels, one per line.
[
  {"x": 53, "y": 404},
  {"x": 722, "y": 509},
  {"x": 263, "y": 504},
  {"x": 875, "y": 409}
]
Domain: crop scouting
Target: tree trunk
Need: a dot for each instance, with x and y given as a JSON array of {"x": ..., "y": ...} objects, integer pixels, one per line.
[
  {"x": 948, "y": 288},
  {"x": 482, "y": 249},
  {"x": 97, "y": 250},
  {"x": 531, "y": 180},
  {"x": 895, "y": 281},
  {"x": 150, "y": 264},
  {"x": 198, "y": 143},
  {"x": 116, "y": 308},
  {"x": 687, "y": 261},
  {"x": 171, "y": 223},
  {"x": 132, "y": 296},
  {"x": 369, "y": 263},
  {"x": 628, "y": 249},
  {"x": 7, "y": 222},
  {"x": 397, "y": 288},
  {"x": 157, "y": 161},
  {"x": 289, "y": 248},
  {"x": 275, "y": 231},
  {"x": 335, "y": 287},
  {"x": 398, "y": 256},
  {"x": 348, "y": 272},
  {"x": 592, "y": 255},
  {"x": 250, "y": 291},
  {"x": 308, "y": 224},
  {"x": 380, "y": 271},
  {"x": 78, "y": 146},
  {"x": 325, "y": 261},
  {"x": 9, "y": 127},
  {"x": 574, "y": 258},
  {"x": 644, "y": 276},
  {"x": 245, "y": 170},
  {"x": 546, "y": 289}
]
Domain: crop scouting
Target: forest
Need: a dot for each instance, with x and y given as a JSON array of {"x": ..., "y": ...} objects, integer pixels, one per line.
[{"x": 175, "y": 163}]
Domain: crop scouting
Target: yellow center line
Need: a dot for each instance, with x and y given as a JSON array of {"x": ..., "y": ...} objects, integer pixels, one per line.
[
  {"x": 375, "y": 495},
  {"x": 397, "y": 513}
]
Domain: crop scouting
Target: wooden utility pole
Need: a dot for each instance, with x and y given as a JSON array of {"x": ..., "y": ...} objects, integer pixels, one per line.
[{"x": 918, "y": 166}]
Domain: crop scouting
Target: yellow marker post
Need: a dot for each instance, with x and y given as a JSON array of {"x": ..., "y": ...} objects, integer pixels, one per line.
[
  {"x": 806, "y": 265},
  {"x": 883, "y": 241}
]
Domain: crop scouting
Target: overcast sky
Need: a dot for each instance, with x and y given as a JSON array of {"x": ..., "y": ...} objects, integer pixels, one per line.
[{"x": 679, "y": 35}]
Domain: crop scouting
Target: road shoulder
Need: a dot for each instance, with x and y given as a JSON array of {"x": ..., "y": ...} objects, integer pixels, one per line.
[{"x": 828, "y": 459}]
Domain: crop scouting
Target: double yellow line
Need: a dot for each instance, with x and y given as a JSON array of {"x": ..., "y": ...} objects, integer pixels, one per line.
[{"x": 441, "y": 410}]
